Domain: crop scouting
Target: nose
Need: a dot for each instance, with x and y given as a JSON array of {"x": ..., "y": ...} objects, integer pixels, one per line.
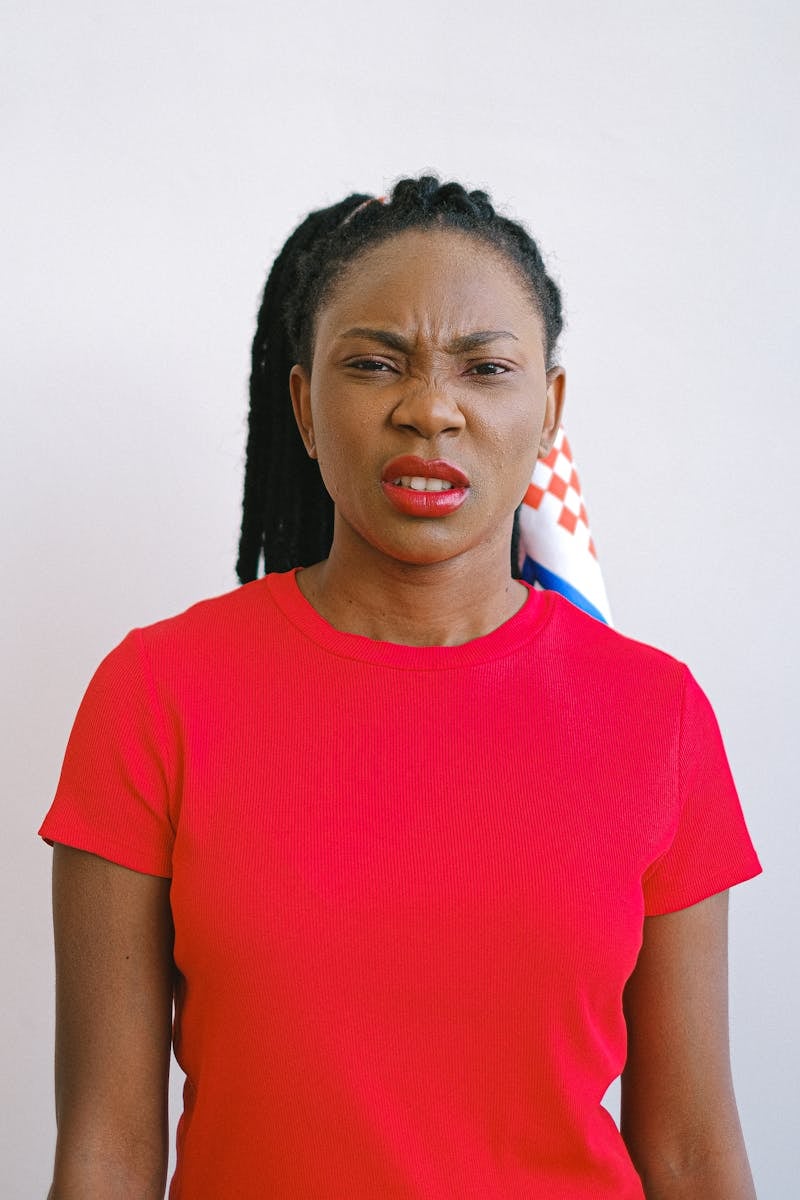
[{"x": 428, "y": 408}]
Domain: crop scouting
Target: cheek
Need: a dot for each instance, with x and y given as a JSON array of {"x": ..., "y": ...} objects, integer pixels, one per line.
[
  {"x": 512, "y": 442},
  {"x": 333, "y": 462},
  {"x": 340, "y": 444}
]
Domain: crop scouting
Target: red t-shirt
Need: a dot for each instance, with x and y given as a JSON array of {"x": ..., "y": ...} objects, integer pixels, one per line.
[{"x": 408, "y": 886}]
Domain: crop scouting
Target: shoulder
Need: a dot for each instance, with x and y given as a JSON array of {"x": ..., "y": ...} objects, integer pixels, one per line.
[
  {"x": 214, "y": 621},
  {"x": 588, "y": 644},
  {"x": 201, "y": 639},
  {"x": 211, "y": 611}
]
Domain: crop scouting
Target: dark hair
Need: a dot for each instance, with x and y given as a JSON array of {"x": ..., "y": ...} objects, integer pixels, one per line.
[{"x": 287, "y": 515}]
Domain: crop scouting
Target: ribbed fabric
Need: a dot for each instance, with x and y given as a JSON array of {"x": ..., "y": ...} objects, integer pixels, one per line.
[{"x": 408, "y": 886}]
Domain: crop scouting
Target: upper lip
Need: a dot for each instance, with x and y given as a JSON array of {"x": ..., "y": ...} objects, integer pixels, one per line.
[{"x": 437, "y": 468}]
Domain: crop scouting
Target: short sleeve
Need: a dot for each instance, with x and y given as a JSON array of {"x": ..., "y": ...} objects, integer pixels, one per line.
[
  {"x": 711, "y": 848},
  {"x": 113, "y": 794}
]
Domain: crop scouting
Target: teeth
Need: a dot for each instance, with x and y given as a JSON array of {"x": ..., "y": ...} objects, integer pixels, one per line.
[{"x": 418, "y": 483}]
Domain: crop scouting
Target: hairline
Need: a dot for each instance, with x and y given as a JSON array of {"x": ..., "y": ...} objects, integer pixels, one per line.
[{"x": 438, "y": 223}]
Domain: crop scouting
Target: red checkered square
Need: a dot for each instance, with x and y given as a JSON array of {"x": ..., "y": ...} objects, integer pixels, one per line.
[
  {"x": 557, "y": 486},
  {"x": 533, "y": 496}
]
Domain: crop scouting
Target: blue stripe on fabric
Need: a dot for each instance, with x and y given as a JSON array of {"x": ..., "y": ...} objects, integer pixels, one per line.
[{"x": 533, "y": 572}]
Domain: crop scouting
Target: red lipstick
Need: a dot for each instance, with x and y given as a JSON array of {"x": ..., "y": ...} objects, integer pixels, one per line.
[{"x": 406, "y": 484}]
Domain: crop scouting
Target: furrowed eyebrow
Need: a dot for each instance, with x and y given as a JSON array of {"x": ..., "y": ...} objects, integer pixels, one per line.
[
  {"x": 460, "y": 345},
  {"x": 473, "y": 341},
  {"x": 394, "y": 341}
]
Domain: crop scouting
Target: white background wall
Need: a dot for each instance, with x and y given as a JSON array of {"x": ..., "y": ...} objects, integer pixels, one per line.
[{"x": 155, "y": 158}]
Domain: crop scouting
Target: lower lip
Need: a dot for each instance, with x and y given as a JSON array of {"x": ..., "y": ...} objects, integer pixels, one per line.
[{"x": 424, "y": 504}]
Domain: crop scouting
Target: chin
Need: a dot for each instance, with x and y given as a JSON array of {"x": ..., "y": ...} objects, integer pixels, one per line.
[{"x": 427, "y": 548}]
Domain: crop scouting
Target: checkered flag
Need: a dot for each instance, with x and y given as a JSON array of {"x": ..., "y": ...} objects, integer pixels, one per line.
[{"x": 556, "y": 547}]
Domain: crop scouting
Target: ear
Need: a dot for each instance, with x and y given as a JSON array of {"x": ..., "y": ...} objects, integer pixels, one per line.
[
  {"x": 554, "y": 406},
  {"x": 300, "y": 391}
]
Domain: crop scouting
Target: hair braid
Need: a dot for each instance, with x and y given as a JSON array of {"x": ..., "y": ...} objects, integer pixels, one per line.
[{"x": 287, "y": 516}]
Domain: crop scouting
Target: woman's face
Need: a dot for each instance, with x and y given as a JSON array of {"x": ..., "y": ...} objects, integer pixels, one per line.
[{"x": 428, "y": 373}]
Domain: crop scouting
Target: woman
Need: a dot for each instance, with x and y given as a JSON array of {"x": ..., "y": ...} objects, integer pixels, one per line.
[{"x": 427, "y": 856}]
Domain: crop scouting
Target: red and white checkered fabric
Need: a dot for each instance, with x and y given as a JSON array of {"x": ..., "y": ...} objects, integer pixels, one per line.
[
  {"x": 557, "y": 551},
  {"x": 555, "y": 485}
]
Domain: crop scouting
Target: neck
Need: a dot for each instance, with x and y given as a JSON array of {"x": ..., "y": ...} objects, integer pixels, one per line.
[{"x": 431, "y": 604}]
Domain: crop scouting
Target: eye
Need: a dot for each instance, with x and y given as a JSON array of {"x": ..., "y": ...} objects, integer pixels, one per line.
[
  {"x": 369, "y": 365},
  {"x": 488, "y": 368}
]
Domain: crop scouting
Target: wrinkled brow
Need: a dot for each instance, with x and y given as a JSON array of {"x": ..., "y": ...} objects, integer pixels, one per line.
[{"x": 459, "y": 345}]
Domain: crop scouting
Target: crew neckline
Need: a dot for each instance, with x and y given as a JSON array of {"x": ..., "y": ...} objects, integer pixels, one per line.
[{"x": 525, "y": 624}]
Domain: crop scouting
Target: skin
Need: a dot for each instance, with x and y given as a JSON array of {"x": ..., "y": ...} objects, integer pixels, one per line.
[
  {"x": 489, "y": 408},
  {"x": 114, "y": 984},
  {"x": 678, "y": 1112}
]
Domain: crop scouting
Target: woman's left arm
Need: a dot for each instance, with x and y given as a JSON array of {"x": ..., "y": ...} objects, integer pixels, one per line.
[{"x": 678, "y": 1116}]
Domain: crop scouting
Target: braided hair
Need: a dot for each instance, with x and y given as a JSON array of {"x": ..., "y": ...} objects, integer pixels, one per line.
[{"x": 287, "y": 515}]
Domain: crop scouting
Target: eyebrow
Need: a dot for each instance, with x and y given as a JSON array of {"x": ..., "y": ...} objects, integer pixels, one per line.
[{"x": 459, "y": 345}]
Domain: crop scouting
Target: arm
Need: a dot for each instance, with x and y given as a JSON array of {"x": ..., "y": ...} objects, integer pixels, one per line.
[
  {"x": 114, "y": 983},
  {"x": 679, "y": 1116}
]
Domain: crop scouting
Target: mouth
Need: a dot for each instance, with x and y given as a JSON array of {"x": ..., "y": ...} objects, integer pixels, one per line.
[
  {"x": 421, "y": 488},
  {"x": 409, "y": 471},
  {"x": 422, "y": 483}
]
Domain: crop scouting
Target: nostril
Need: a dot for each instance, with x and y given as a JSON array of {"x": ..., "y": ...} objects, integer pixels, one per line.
[{"x": 428, "y": 411}]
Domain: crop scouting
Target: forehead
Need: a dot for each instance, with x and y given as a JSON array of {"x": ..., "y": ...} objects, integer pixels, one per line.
[{"x": 440, "y": 276}]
